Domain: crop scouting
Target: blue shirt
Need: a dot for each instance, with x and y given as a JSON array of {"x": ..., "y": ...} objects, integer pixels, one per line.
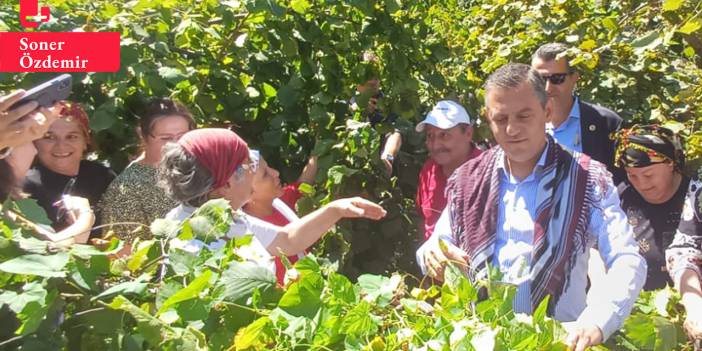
[
  {"x": 568, "y": 134},
  {"x": 608, "y": 228}
]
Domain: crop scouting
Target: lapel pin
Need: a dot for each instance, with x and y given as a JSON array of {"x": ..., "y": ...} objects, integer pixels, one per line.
[{"x": 592, "y": 127}]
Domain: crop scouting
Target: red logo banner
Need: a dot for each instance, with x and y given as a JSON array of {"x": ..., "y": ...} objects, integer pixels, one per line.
[{"x": 59, "y": 52}]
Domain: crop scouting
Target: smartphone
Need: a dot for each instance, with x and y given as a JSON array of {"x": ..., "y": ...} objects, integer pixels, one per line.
[{"x": 47, "y": 93}]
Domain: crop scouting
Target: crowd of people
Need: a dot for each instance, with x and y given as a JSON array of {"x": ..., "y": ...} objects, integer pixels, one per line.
[{"x": 566, "y": 184}]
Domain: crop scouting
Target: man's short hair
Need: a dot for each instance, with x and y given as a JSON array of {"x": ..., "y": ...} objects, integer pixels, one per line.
[
  {"x": 512, "y": 75},
  {"x": 550, "y": 51}
]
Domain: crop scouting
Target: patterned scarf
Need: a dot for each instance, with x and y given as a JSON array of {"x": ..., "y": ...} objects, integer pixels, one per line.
[
  {"x": 564, "y": 200},
  {"x": 642, "y": 146}
]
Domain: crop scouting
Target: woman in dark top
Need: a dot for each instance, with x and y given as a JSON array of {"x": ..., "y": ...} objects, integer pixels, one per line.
[
  {"x": 653, "y": 194},
  {"x": 61, "y": 168}
]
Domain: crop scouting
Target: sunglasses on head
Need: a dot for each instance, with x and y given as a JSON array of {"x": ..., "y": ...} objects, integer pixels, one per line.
[
  {"x": 252, "y": 165},
  {"x": 556, "y": 78}
]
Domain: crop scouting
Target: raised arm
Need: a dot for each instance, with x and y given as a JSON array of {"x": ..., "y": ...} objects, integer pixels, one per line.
[
  {"x": 301, "y": 234},
  {"x": 309, "y": 172},
  {"x": 392, "y": 147}
]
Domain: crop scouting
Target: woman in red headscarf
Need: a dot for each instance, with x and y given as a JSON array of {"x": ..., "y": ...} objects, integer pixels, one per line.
[
  {"x": 216, "y": 163},
  {"x": 61, "y": 169}
]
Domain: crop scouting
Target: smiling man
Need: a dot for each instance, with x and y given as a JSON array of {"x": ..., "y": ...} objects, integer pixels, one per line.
[
  {"x": 534, "y": 209},
  {"x": 576, "y": 124},
  {"x": 449, "y": 136}
]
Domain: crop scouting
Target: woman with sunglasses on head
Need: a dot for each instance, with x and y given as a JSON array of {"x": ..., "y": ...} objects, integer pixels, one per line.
[
  {"x": 653, "y": 194},
  {"x": 61, "y": 169},
  {"x": 216, "y": 163},
  {"x": 275, "y": 203},
  {"x": 134, "y": 197}
]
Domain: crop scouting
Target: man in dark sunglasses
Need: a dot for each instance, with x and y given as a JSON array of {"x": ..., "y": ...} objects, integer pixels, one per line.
[{"x": 575, "y": 124}]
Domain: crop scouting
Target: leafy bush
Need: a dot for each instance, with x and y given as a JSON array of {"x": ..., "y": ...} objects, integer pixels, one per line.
[
  {"x": 164, "y": 297},
  {"x": 283, "y": 71}
]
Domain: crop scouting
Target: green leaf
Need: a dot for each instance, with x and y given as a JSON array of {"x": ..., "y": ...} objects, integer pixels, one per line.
[
  {"x": 452, "y": 274},
  {"x": 302, "y": 298},
  {"x": 88, "y": 251},
  {"x": 40, "y": 265},
  {"x": 171, "y": 74},
  {"x": 241, "y": 279},
  {"x": 647, "y": 41},
  {"x": 164, "y": 228},
  {"x": 268, "y": 90},
  {"x": 136, "y": 287},
  {"x": 151, "y": 328},
  {"x": 379, "y": 289},
  {"x": 691, "y": 26},
  {"x": 290, "y": 94},
  {"x": 306, "y": 189},
  {"x": 212, "y": 220},
  {"x": 672, "y": 5},
  {"x": 84, "y": 276},
  {"x": 31, "y": 292},
  {"x": 359, "y": 321},
  {"x": 30, "y": 209},
  {"x": 666, "y": 334},
  {"x": 270, "y": 6},
  {"x": 140, "y": 255},
  {"x": 300, "y": 6},
  {"x": 392, "y": 6},
  {"x": 103, "y": 117},
  {"x": 338, "y": 172},
  {"x": 641, "y": 330},
  {"x": 31, "y": 305},
  {"x": 342, "y": 288},
  {"x": 540, "y": 312},
  {"x": 258, "y": 333},
  {"x": 191, "y": 291}
]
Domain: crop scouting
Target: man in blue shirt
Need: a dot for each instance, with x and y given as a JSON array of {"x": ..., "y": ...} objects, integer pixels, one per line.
[
  {"x": 534, "y": 210},
  {"x": 575, "y": 124}
]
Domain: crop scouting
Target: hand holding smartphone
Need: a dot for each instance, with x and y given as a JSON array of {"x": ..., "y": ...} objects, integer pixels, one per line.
[
  {"x": 27, "y": 115},
  {"x": 48, "y": 93}
]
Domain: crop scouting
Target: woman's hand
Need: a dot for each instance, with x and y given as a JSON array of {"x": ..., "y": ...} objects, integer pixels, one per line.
[
  {"x": 81, "y": 217},
  {"x": 693, "y": 321},
  {"x": 24, "y": 123},
  {"x": 357, "y": 207}
]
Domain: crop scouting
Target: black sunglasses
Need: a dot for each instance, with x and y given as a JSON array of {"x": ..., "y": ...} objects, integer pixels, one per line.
[{"x": 556, "y": 78}]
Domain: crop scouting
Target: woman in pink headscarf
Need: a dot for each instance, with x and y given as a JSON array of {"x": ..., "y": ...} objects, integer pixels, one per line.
[{"x": 216, "y": 163}]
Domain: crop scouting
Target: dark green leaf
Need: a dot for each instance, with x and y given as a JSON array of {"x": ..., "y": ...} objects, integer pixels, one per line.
[{"x": 44, "y": 266}]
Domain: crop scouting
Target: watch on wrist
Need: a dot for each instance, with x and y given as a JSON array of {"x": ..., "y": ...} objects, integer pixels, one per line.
[{"x": 388, "y": 157}]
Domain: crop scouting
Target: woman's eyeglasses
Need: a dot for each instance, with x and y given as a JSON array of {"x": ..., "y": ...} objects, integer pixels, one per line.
[{"x": 556, "y": 78}]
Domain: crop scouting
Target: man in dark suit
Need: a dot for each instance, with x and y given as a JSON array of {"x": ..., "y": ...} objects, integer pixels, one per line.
[{"x": 575, "y": 124}]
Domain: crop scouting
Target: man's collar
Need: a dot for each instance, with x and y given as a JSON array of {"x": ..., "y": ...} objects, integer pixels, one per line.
[
  {"x": 539, "y": 164},
  {"x": 575, "y": 110}
]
